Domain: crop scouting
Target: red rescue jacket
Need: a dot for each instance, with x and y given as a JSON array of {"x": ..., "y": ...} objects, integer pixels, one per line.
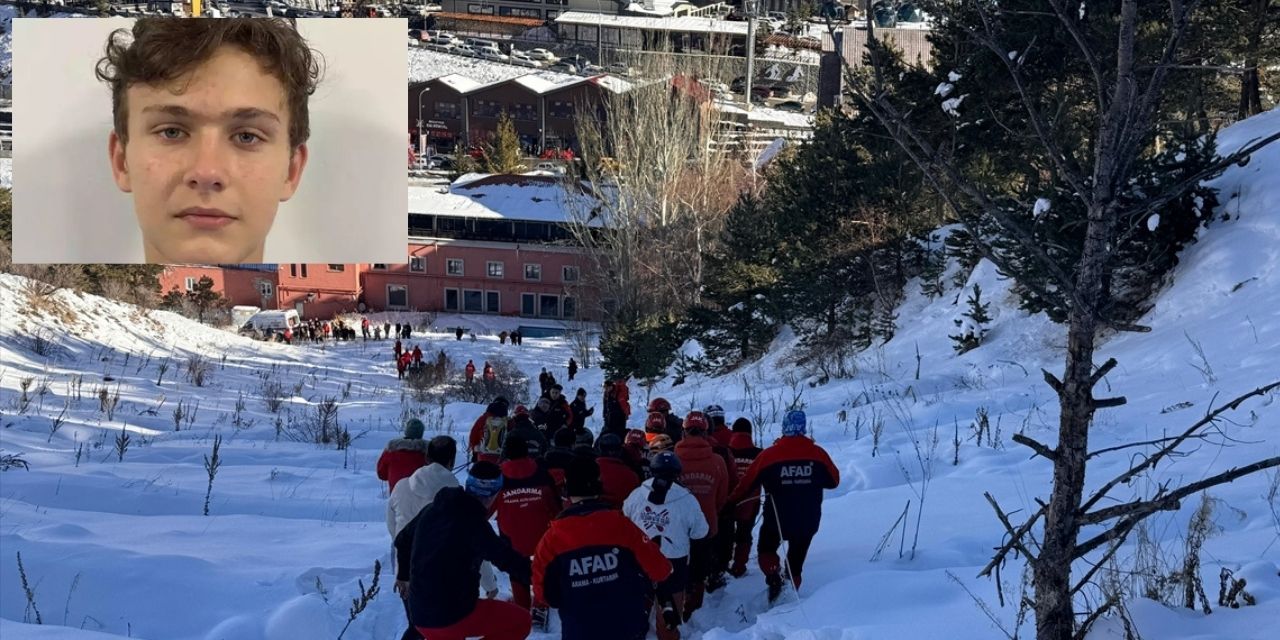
[{"x": 527, "y": 503}]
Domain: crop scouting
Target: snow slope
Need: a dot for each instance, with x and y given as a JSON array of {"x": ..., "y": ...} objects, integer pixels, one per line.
[{"x": 118, "y": 548}]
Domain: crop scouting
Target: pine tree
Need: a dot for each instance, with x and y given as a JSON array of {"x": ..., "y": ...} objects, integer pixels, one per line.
[
  {"x": 503, "y": 154},
  {"x": 740, "y": 319},
  {"x": 935, "y": 265},
  {"x": 203, "y": 297},
  {"x": 974, "y": 327}
]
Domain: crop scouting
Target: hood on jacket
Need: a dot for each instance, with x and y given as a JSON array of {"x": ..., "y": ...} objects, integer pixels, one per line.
[
  {"x": 407, "y": 444},
  {"x": 426, "y": 480},
  {"x": 520, "y": 469},
  {"x": 694, "y": 448},
  {"x": 741, "y": 441}
]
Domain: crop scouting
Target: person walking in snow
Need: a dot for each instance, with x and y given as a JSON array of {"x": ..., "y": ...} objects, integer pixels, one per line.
[
  {"x": 527, "y": 504},
  {"x": 439, "y": 557},
  {"x": 397, "y": 349},
  {"x": 417, "y": 357},
  {"x": 707, "y": 478},
  {"x": 793, "y": 472},
  {"x": 502, "y": 337},
  {"x": 399, "y": 331},
  {"x": 458, "y": 333},
  {"x": 573, "y": 369},
  {"x": 470, "y": 371},
  {"x": 617, "y": 407},
  {"x": 617, "y": 478},
  {"x": 377, "y": 333},
  {"x": 671, "y": 517},
  {"x": 403, "y": 456},
  {"x": 517, "y": 338},
  {"x": 543, "y": 382},
  {"x": 521, "y": 426},
  {"x": 675, "y": 427},
  {"x": 489, "y": 377},
  {"x": 484, "y": 441},
  {"x": 735, "y": 535},
  {"x": 402, "y": 365},
  {"x": 596, "y": 566},
  {"x": 364, "y": 328},
  {"x": 386, "y": 329},
  {"x": 416, "y": 492},
  {"x": 580, "y": 411}
]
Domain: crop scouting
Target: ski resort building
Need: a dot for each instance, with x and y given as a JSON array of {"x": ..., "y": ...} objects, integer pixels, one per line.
[{"x": 488, "y": 244}]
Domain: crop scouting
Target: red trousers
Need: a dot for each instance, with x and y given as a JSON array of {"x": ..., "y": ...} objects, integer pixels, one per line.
[{"x": 491, "y": 620}]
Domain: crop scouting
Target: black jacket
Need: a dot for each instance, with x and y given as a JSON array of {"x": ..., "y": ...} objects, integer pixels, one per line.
[
  {"x": 440, "y": 552},
  {"x": 580, "y": 413},
  {"x": 675, "y": 428},
  {"x": 521, "y": 426}
]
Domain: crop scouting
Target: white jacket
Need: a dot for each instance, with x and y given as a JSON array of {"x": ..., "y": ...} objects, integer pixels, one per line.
[
  {"x": 675, "y": 522},
  {"x": 414, "y": 493}
]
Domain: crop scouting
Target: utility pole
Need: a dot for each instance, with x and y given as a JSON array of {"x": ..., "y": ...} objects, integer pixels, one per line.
[{"x": 750, "y": 7}]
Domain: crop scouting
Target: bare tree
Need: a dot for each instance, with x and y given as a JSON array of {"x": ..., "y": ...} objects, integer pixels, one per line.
[
  {"x": 1125, "y": 100},
  {"x": 663, "y": 188}
]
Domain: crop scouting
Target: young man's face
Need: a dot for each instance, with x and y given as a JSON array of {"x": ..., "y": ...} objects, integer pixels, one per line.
[{"x": 209, "y": 166}]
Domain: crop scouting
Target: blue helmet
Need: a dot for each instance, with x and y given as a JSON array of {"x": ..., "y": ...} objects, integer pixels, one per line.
[{"x": 793, "y": 424}]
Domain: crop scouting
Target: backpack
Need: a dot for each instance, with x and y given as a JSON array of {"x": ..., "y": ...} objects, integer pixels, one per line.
[{"x": 495, "y": 434}]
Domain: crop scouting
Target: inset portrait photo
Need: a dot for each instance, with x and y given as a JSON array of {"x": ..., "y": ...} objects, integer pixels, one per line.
[{"x": 208, "y": 140}]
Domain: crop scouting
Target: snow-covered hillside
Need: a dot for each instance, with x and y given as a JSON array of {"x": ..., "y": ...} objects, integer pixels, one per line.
[{"x": 115, "y": 548}]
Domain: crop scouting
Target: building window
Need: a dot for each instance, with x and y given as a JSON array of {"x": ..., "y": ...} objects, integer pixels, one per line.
[
  {"x": 570, "y": 307},
  {"x": 304, "y": 270},
  {"x": 561, "y": 109},
  {"x": 527, "y": 302},
  {"x": 417, "y": 263},
  {"x": 495, "y": 269},
  {"x": 397, "y": 296},
  {"x": 447, "y": 110},
  {"x": 453, "y": 266},
  {"x": 492, "y": 302},
  {"x": 480, "y": 9},
  {"x": 518, "y": 12},
  {"x": 569, "y": 274},
  {"x": 265, "y": 289},
  {"x": 548, "y": 306},
  {"x": 472, "y": 301},
  {"x": 450, "y": 299},
  {"x": 379, "y": 266},
  {"x": 293, "y": 271},
  {"x": 487, "y": 109},
  {"x": 522, "y": 111},
  {"x": 190, "y": 283},
  {"x": 338, "y": 267},
  {"x": 533, "y": 272}
]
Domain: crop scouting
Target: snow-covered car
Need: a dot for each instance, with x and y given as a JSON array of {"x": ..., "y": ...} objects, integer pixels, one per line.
[
  {"x": 542, "y": 55},
  {"x": 563, "y": 67},
  {"x": 443, "y": 37},
  {"x": 465, "y": 50},
  {"x": 591, "y": 69},
  {"x": 490, "y": 54},
  {"x": 447, "y": 47},
  {"x": 522, "y": 59}
]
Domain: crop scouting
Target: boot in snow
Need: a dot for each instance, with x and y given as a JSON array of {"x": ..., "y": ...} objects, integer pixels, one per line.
[
  {"x": 715, "y": 582},
  {"x": 738, "y": 570},
  {"x": 693, "y": 599},
  {"x": 541, "y": 619},
  {"x": 775, "y": 586}
]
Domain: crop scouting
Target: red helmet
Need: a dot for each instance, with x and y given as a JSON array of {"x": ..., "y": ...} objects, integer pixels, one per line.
[
  {"x": 521, "y": 409},
  {"x": 696, "y": 422},
  {"x": 655, "y": 423},
  {"x": 635, "y": 438},
  {"x": 660, "y": 404}
]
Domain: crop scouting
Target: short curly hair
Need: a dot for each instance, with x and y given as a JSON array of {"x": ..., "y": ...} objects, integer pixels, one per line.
[{"x": 162, "y": 49}]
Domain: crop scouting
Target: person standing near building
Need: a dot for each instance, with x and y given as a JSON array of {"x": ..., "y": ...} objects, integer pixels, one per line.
[
  {"x": 794, "y": 472},
  {"x": 364, "y": 328},
  {"x": 417, "y": 357},
  {"x": 397, "y": 348},
  {"x": 596, "y": 566},
  {"x": 580, "y": 411},
  {"x": 458, "y": 333},
  {"x": 470, "y": 370},
  {"x": 573, "y": 369},
  {"x": 489, "y": 377}
]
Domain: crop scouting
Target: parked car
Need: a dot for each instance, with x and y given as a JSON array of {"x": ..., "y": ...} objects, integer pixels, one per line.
[
  {"x": 490, "y": 54},
  {"x": 551, "y": 167},
  {"x": 780, "y": 90},
  {"x": 522, "y": 59},
  {"x": 591, "y": 69},
  {"x": 266, "y": 323},
  {"x": 542, "y": 55},
  {"x": 564, "y": 67},
  {"x": 465, "y": 50},
  {"x": 441, "y": 46},
  {"x": 760, "y": 94},
  {"x": 442, "y": 37},
  {"x": 791, "y": 105}
]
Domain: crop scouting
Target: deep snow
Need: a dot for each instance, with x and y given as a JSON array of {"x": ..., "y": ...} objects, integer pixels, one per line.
[{"x": 115, "y": 549}]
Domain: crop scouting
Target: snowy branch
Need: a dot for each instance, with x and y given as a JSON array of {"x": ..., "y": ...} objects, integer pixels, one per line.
[
  {"x": 1173, "y": 444},
  {"x": 1038, "y": 447}
]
